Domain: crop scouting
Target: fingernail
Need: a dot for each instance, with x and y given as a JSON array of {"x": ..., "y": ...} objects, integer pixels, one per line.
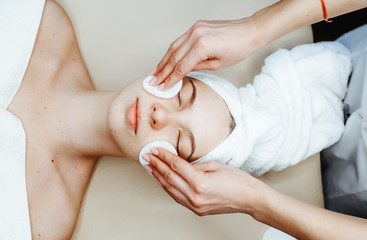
[
  {"x": 154, "y": 151},
  {"x": 148, "y": 169},
  {"x": 160, "y": 87},
  {"x": 152, "y": 81},
  {"x": 146, "y": 158},
  {"x": 153, "y": 71}
]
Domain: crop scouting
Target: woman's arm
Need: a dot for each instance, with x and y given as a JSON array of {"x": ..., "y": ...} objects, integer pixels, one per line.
[
  {"x": 305, "y": 221},
  {"x": 211, "y": 188},
  {"x": 215, "y": 44},
  {"x": 288, "y": 15}
]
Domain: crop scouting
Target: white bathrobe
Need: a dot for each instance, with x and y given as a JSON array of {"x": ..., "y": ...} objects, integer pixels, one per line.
[{"x": 19, "y": 22}]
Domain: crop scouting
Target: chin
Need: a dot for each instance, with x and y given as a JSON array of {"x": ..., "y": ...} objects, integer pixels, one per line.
[{"x": 119, "y": 126}]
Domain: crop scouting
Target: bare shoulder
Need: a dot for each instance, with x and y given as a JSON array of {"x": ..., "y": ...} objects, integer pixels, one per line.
[
  {"x": 56, "y": 17},
  {"x": 56, "y": 32}
]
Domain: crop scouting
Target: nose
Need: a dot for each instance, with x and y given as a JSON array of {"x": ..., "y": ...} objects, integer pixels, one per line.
[{"x": 161, "y": 116}]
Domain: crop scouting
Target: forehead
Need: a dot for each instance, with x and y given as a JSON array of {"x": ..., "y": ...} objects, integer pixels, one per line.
[{"x": 210, "y": 121}]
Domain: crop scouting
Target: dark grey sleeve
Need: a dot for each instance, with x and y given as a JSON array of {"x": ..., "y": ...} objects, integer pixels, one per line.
[{"x": 344, "y": 165}]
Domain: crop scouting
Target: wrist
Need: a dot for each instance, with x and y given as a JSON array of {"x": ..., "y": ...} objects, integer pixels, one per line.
[
  {"x": 252, "y": 201},
  {"x": 252, "y": 36},
  {"x": 269, "y": 23},
  {"x": 260, "y": 208},
  {"x": 281, "y": 18}
]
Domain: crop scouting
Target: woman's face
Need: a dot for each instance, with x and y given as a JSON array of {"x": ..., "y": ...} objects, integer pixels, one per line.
[{"x": 195, "y": 121}]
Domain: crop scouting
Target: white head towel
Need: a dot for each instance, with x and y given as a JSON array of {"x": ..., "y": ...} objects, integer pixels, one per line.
[{"x": 292, "y": 111}]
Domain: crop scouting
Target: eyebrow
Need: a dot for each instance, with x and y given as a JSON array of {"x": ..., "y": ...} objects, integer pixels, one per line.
[{"x": 191, "y": 136}]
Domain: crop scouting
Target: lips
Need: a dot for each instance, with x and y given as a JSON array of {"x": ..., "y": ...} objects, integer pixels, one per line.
[{"x": 132, "y": 115}]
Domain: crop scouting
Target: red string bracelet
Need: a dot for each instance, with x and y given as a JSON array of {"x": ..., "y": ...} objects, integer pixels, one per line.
[{"x": 324, "y": 12}]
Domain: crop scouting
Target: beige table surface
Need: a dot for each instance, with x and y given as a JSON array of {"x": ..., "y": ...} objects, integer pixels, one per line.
[{"x": 122, "y": 40}]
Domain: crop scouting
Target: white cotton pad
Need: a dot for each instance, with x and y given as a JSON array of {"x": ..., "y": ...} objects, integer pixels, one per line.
[
  {"x": 155, "y": 144},
  {"x": 169, "y": 93}
]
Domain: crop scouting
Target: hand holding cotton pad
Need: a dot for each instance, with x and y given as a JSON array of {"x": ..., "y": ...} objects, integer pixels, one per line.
[
  {"x": 170, "y": 93},
  {"x": 155, "y": 144}
]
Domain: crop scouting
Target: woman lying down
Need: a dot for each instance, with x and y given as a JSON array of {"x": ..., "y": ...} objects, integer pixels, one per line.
[{"x": 55, "y": 125}]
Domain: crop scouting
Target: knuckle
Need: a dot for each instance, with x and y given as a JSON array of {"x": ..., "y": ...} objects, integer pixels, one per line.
[
  {"x": 199, "y": 212},
  {"x": 202, "y": 43},
  {"x": 168, "y": 177},
  {"x": 178, "y": 201},
  {"x": 175, "y": 164},
  {"x": 201, "y": 188},
  {"x": 199, "y": 23},
  {"x": 169, "y": 190},
  {"x": 172, "y": 47},
  {"x": 195, "y": 201},
  {"x": 165, "y": 154},
  {"x": 199, "y": 29},
  {"x": 180, "y": 69},
  {"x": 173, "y": 59}
]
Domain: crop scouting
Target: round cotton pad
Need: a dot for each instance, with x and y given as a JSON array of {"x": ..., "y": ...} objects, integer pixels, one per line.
[
  {"x": 169, "y": 93},
  {"x": 155, "y": 144}
]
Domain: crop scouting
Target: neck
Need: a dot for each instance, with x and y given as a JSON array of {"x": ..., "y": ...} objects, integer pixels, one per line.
[{"x": 84, "y": 131}]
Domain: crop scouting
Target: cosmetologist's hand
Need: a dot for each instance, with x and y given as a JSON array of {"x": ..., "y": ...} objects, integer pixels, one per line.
[
  {"x": 205, "y": 188},
  {"x": 212, "y": 188},
  {"x": 211, "y": 45},
  {"x": 207, "y": 45}
]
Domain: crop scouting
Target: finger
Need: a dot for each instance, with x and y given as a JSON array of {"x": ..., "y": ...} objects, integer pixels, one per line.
[
  {"x": 178, "y": 193},
  {"x": 180, "y": 49},
  {"x": 170, "y": 176},
  {"x": 175, "y": 193},
  {"x": 162, "y": 68},
  {"x": 165, "y": 60},
  {"x": 188, "y": 62},
  {"x": 174, "y": 68},
  {"x": 178, "y": 165}
]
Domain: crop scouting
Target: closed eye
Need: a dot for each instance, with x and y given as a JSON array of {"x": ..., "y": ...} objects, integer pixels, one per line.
[{"x": 188, "y": 99}]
